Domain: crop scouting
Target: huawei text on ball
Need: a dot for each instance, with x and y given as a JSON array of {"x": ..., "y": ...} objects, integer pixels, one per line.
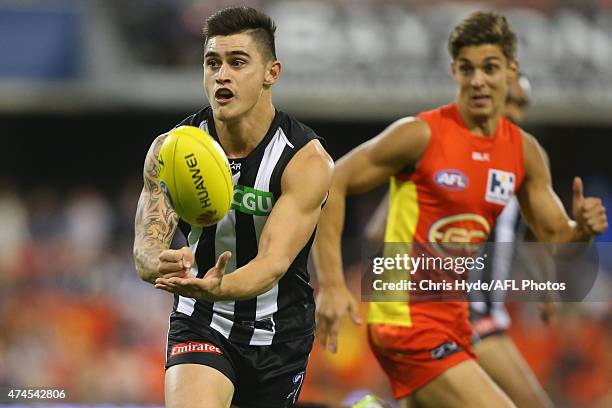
[{"x": 198, "y": 181}]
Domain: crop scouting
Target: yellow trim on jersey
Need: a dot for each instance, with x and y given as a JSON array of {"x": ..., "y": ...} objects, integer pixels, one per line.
[
  {"x": 401, "y": 227},
  {"x": 403, "y": 211}
]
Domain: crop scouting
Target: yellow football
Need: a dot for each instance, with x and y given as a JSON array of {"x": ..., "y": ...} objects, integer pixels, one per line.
[{"x": 195, "y": 175}]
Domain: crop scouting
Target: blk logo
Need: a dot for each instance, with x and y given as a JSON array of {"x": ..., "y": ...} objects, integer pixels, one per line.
[
  {"x": 500, "y": 186},
  {"x": 481, "y": 156}
]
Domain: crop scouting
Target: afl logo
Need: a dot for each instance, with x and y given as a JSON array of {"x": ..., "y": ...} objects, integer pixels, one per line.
[
  {"x": 451, "y": 179},
  {"x": 466, "y": 229}
]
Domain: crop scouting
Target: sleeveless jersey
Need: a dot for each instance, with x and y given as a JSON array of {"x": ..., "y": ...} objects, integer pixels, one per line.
[
  {"x": 459, "y": 187},
  {"x": 286, "y": 311}
]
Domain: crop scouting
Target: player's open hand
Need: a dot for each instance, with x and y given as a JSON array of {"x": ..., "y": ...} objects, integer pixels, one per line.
[
  {"x": 332, "y": 304},
  {"x": 589, "y": 212},
  {"x": 206, "y": 288}
]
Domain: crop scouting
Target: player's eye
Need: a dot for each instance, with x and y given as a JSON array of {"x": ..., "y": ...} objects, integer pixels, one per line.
[
  {"x": 237, "y": 63},
  {"x": 466, "y": 69},
  {"x": 212, "y": 63},
  {"x": 491, "y": 68}
]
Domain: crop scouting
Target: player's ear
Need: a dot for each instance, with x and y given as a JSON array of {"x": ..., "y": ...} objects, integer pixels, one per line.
[
  {"x": 273, "y": 71},
  {"x": 453, "y": 67},
  {"x": 514, "y": 69}
]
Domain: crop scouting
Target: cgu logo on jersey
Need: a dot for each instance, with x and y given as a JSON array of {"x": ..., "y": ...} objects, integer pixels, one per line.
[
  {"x": 249, "y": 200},
  {"x": 451, "y": 179},
  {"x": 459, "y": 234}
]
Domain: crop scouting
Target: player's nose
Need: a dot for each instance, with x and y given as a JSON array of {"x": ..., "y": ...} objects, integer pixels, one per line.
[
  {"x": 224, "y": 73},
  {"x": 478, "y": 79}
]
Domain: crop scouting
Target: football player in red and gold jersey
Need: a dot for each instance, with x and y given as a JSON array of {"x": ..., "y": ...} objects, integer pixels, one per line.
[
  {"x": 496, "y": 352},
  {"x": 452, "y": 171}
]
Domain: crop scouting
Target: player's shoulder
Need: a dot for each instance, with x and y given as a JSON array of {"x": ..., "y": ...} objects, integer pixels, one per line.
[
  {"x": 414, "y": 125},
  {"x": 535, "y": 158},
  {"x": 527, "y": 137},
  {"x": 308, "y": 144},
  {"x": 311, "y": 159},
  {"x": 156, "y": 145},
  {"x": 405, "y": 140},
  {"x": 427, "y": 124},
  {"x": 410, "y": 133},
  {"x": 297, "y": 133},
  {"x": 314, "y": 153},
  {"x": 530, "y": 143}
]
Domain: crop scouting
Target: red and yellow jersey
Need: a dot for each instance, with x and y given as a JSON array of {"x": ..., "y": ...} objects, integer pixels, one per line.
[{"x": 459, "y": 187}]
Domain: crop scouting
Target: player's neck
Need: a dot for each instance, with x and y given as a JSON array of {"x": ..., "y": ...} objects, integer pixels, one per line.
[
  {"x": 479, "y": 126},
  {"x": 241, "y": 137}
]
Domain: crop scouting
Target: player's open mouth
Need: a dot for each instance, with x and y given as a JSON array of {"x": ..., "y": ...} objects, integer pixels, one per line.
[
  {"x": 480, "y": 100},
  {"x": 223, "y": 96}
]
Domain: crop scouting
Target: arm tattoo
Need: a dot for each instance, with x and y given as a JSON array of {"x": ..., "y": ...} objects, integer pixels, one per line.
[{"x": 155, "y": 222}]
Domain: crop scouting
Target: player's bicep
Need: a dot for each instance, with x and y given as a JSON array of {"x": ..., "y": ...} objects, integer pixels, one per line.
[
  {"x": 402, "y": 144},
  {"x": 296, "y": 213},
  {"x": 155, "y": 221},
  {"x": 540, "y": 206}
]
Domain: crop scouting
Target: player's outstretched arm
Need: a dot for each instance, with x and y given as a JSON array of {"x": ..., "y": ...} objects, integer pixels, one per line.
[
  {"x": 305, "y": 183},
  {"x": 543, "y": 209},
  {"x": 365, "y": 167},
  {"x": 155, "y": 222}
]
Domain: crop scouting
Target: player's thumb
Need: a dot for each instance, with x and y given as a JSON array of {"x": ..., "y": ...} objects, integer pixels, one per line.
[
  {"x": 188, "y": 258},
  {"x": 354, "y": 312},
  {"x": 223, "y": 260},
  {"x": 578, "y": 189}
]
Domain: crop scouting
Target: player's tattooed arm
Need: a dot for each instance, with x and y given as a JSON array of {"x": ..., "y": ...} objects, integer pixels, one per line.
[{"x": 155, "y": 221}]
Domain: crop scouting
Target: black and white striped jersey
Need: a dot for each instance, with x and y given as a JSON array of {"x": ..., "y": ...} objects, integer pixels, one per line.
[{"x": 286, "y": 311}]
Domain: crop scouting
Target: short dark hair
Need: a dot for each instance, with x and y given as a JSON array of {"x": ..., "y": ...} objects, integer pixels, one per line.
[
  {"x": 236, "y": 20},
  {"x": 480, "y": 28}
]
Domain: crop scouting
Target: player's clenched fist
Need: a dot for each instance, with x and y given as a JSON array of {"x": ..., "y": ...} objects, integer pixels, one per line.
[
  {"x": 589, "y": 212},
  {"x": 176, "y": 262}
]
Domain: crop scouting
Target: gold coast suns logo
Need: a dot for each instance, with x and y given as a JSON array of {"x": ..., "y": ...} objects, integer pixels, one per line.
[{"x": 459, "y": 234}]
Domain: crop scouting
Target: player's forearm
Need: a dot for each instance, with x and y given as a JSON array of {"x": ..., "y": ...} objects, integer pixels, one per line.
[
  {"x": 327, "y": 246},
  {"x": 566, "y": 231},
  {"x": 251, "y": 280},
  {"x": 146, "y": 260},
  {"x": 329, "y": 267},
  {"x": 154, "y": 227}
]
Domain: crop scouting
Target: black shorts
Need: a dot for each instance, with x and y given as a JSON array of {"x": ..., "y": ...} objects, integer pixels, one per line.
[{"x": 263, "y": 376}]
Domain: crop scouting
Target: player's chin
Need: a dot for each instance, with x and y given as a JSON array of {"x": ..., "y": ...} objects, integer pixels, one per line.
[
  {"x": 481, "y": 112},
  {"x": 225, "y": 113}
]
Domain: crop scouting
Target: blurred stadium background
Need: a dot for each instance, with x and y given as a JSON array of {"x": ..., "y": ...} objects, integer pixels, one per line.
[{"x": 86, "y": 85}]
